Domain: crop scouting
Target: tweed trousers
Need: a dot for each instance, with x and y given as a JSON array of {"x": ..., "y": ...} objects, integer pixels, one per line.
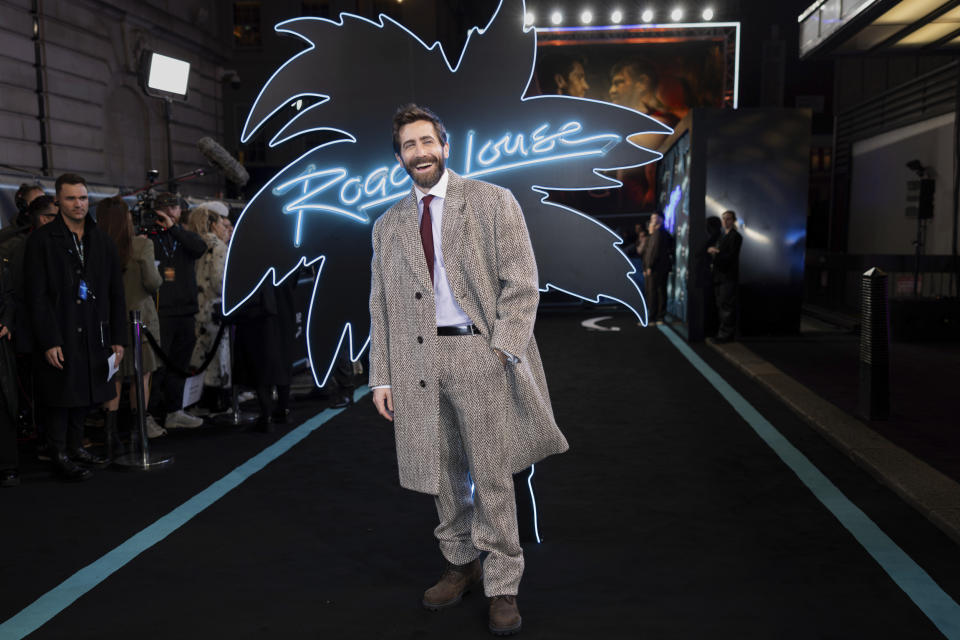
[{"x": 474, "y": 400}]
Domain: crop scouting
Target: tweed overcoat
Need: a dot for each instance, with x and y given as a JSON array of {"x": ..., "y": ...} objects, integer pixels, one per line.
[{"x": 493, "y": 277}]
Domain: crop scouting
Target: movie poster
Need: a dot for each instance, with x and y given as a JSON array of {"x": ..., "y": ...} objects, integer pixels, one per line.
[{"x": 658, "y": 71}]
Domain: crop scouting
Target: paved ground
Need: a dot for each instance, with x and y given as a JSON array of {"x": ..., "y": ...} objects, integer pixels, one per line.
[{"x": 693, "y": 503}]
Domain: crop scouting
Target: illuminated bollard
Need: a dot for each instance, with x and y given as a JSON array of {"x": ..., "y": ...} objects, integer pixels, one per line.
[{"x": 874, "y": 346}]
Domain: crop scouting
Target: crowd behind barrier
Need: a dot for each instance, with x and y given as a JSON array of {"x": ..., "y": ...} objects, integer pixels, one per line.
[
  {"x": 71, "y": 272},
  {"x": 70, "y": 276}
]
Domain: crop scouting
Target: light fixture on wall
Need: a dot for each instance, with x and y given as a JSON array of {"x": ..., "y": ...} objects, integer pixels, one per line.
[{"x": 168, "y": 79}]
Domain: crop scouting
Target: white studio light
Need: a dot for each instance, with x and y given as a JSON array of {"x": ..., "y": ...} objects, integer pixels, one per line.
[
  {"x": 166, "y": 76},
  {"x": 708, "y": 14},
  {"x": 586, "y": 17},
  {"x": 647, "y": 15},
  {"x": 616, "y": 17},
  {"x": 556, "y": 17},
  {"x": 677, "y": 14},
  {"x": 529, "y": 18}
]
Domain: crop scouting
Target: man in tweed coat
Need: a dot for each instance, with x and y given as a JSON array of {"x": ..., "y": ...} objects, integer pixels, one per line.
[{"x": 453, "y": 361}]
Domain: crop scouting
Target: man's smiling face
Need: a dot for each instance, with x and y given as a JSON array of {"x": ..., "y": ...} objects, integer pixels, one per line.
[{"x": 421, "y": 153}]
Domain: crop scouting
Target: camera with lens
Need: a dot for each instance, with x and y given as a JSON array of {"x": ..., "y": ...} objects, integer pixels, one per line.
[{"x": 145, "y": 219}]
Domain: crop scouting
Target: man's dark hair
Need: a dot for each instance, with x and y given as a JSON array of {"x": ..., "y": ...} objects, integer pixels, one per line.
[
  {"x": 554, "y": 64},
  {"x": 412, "y": 113},
  {"x": 39, "y": 205},
  {"x": 637, "y": 67},
  {"x": 69, "y": 178},
  {"x": 731, "y": 212}
]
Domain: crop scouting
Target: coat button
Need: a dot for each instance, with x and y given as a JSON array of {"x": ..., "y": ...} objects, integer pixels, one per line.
[
  {"x": 422, "y": 383},
  {"x": 418, "y": 295},
  {"x": 420, "y": 339}
]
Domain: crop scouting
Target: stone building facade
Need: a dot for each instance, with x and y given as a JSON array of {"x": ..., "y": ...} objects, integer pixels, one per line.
[{"x": 70, "y": 96}]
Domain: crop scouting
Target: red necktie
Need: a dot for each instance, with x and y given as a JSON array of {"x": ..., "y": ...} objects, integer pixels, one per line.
[{"x": 426, "y": 233}]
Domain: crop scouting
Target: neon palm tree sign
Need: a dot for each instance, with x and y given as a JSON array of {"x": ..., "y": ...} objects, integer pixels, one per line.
[{"x": 320, "y": 208}]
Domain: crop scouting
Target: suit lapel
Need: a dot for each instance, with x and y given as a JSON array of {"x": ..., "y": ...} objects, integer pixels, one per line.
[
  {"x": 451, "y": 231},
  {"x": 408, "y": 232}
]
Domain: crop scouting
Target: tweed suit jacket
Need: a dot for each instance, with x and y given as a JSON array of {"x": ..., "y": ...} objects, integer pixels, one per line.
[{"x": 493, "y": 277}]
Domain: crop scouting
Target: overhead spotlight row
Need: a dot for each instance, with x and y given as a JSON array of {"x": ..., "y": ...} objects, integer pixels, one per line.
[{"x": 617, "y": 16}]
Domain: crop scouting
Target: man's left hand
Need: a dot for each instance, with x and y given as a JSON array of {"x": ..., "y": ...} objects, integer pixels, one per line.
[
  {"x": 117, "y": 351},
  {"x": 713, "y": 251}
]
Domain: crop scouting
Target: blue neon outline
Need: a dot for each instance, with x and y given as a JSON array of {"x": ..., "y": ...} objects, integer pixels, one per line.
[
  {"x": 384, "y": 20},
  {"x": 533, "y": 503},
  {"x": 572, "y": 127}
]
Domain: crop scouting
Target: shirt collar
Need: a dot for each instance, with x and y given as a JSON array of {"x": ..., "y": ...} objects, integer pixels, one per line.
[{"x": 438, "y": 190}]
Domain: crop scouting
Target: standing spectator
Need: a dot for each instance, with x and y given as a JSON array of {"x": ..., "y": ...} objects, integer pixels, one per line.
[
  {"x": 726, "y": 276},
  {"x": 76, "y": 305},
  {"x": 266, "y": 327},
  {"x": 9, "y": 456},
  {"x": 207, "y": 222},
  {"x": 141, "y": 281},
  {"x": 227, "y": 225},
  {"x": 701, "y": 269},
  {"x": 40, "y": 209},
  {"x": 657, "y": 262},
  {"x": 177, "y": 250},
  {"x": 27, "y": 193},
  {"x": 634, "y": 246}
]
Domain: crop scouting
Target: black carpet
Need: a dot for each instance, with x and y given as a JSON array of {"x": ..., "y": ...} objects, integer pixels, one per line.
[{"x": 668, "y": 518}]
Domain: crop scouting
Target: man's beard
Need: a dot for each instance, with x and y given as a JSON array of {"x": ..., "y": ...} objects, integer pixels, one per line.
[{"x": 427, "y": 180}]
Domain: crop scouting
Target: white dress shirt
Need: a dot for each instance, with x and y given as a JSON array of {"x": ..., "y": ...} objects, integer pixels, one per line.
[{"x": 449, "y": 312}]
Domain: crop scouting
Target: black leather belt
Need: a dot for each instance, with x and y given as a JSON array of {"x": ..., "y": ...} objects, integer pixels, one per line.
[{"x": 458, "y": 331}]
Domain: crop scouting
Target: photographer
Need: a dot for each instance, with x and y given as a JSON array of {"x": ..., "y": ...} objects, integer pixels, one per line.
[{"x": 176, "y": 251}]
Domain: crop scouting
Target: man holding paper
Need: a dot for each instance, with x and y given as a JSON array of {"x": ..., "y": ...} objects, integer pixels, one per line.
[{"x": 75, "y": 304}]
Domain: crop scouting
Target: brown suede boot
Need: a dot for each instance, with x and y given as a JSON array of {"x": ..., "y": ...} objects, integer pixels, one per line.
[
  {"x": 454, "y": 583},
  {"x": 504, "y": 616}
]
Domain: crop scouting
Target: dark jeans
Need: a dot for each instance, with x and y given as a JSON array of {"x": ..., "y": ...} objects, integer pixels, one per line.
[
  {"x": 177, "y": 338},
  {"x": 726, "y": 295},
  {"x": 656, "y": 295},
  {"x": 64, "y": 427}
]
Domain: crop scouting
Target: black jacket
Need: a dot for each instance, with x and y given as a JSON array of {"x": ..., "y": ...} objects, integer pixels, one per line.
[
  {"x": 658, "y": 256},
  {"x": 13, "y": 241},
  {"x": 8, "y": 361},
  {"x": 726, "y": 264},
  {"x": 177, "y": 250},
  {"x": 84, "y": 329}
]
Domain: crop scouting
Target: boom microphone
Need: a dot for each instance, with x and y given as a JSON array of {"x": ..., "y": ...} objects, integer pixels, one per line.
[{"x": 220, "y": 158}]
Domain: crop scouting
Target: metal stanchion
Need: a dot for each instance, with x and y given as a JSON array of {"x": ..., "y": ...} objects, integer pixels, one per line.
[
  {"x": 874, "y": 401},
  {"x": 235, "y": 417},
  {"x": 142, "y": 461}
]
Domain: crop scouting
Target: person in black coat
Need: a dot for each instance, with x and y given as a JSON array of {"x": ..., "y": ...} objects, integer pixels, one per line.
[
  {"x": 74, "y": 295},
  {"x": 265, "y": 336},
  {"x": 726, "y": 275},
  {"x": 177, "y": 251},
  {"x": 657, "y": 262},
  {"x": 9, "y": 456}
]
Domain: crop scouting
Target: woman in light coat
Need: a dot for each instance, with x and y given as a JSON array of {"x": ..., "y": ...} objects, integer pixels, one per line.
[
  {"x": 141, "y": 281},
  {"x": 205, "y": 220}
]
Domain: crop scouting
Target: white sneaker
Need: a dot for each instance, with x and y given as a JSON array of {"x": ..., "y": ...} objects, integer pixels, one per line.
[
  {"x": 182, "y": 420},
  {"x": 154, "y": 430}
]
